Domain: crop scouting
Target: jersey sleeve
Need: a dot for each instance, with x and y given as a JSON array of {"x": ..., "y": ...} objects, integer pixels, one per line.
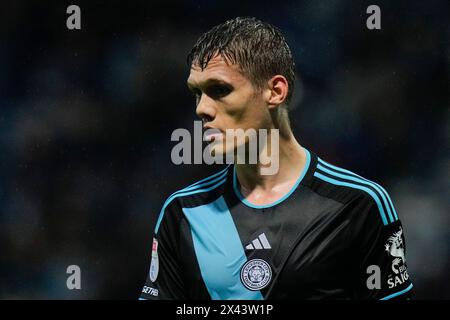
[
  {"x": 380, "y": 251},
  {"x": 164, "y": 279}
]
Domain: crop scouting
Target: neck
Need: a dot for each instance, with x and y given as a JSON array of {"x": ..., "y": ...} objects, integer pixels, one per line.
[{"x": 292, "y": 160}]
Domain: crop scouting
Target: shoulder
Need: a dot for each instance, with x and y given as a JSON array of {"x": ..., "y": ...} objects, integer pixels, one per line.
[
  {"x": 193, "y": 195},
  {"x": 349, "y": 188}
]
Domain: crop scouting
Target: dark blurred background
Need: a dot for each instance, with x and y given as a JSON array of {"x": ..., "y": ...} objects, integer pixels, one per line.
[{"x": 86, "y": 118}]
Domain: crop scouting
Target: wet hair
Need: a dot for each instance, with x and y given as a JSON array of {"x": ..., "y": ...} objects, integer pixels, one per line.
[{"x": 258, "y": 48}]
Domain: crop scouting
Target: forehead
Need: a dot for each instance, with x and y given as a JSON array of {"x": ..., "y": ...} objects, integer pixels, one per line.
[{"x": 217, "y": 69}]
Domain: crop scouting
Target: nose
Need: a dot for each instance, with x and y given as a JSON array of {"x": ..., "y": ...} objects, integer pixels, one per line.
[{"x": 205, "y": 109}]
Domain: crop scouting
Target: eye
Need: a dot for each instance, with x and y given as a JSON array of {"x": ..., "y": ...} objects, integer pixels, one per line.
[{"x": 218, "y": 91}]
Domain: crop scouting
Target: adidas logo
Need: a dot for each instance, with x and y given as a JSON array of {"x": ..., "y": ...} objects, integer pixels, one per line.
[{"x": 259, "y": 243}]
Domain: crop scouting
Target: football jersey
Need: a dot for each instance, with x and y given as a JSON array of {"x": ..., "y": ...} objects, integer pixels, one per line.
[{"x": 334, "y": 235}]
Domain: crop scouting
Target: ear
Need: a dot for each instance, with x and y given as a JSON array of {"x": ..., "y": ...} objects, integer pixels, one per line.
[{"x": 277, "y": 91}]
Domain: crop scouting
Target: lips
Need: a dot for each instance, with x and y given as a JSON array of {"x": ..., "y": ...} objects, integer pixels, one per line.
[
  {"x": 212, "y": 134},
  {"x": 213, "y": 137}
]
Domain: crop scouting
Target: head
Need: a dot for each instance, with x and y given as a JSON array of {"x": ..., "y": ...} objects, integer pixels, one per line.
[{"x": 242, "y": 77}]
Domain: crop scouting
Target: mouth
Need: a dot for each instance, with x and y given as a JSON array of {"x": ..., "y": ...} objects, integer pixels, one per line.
[{"x": 212, "y": 134}]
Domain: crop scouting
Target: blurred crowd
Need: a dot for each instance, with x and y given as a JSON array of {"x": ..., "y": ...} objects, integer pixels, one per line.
[{"x": 86, "y": 118}]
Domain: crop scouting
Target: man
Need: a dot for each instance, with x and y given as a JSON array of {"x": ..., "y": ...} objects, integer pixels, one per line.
[{"x": 309, "y": 231}]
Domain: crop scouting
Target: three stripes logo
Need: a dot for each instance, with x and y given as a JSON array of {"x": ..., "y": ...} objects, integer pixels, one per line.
[{"x": 259, "y": 243}]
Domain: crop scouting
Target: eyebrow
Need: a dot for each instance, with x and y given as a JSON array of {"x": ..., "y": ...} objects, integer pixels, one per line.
[{"x": 207, "y": 83}]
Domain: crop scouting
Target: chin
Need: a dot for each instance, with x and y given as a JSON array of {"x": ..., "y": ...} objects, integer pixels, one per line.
[{"x": 221, "y": 150}]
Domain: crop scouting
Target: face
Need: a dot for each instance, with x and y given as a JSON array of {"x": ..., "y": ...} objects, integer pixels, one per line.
[{"x": 226, "y": 99}]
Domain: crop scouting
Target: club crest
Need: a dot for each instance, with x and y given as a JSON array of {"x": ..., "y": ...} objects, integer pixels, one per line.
[{"x": 256, "y": 274}]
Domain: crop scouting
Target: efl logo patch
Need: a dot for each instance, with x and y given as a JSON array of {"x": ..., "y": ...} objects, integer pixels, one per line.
[
  {"x": 256, "y": 274},
  {"x": 154, "y": 265}
]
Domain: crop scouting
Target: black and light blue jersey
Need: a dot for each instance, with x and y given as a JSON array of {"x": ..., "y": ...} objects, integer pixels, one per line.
[{"x": 335, "y": 235}]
